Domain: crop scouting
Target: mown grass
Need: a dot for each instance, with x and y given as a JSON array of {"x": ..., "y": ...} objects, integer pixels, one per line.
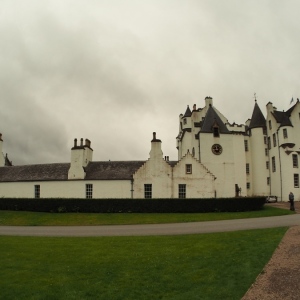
[
  {"x": 207, "y": 266},
  {"x": 18, "y": 218}
]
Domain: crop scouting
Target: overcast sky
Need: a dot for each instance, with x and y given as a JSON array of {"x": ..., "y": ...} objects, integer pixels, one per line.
[{"x": 115, "y": 71}]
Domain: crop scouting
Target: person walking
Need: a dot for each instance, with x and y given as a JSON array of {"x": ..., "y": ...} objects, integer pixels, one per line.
[{"x": 291, "y": 200}]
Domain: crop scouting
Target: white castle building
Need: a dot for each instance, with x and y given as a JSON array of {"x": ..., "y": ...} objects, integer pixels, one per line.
[{"x": 215, "y": 159}]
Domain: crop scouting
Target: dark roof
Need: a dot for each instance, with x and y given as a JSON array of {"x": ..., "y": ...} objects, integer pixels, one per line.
[
  {"x": 210, "y": 120},
  {"x": 288, "y": 112},
  {"x": 188, "y": 112},
  {"x": 112, "y": 170},
  {"x": 102, "y": 170},
  {"x": 258, "y": 119},
  {"x": 286, "y": 121},
  {"x": 282, "y": 118},
  {"x": 43, "y": 172}
]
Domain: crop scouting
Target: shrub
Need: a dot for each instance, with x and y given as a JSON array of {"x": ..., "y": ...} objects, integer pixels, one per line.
[{"x": 134, "y": 205}]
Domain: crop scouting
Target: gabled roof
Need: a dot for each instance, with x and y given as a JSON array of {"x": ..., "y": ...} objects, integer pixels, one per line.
[
  {"x": 282, "y": 118},
  {"x": 212, "y": 118},
  {"x": 112, "y": 170},
  {"x": 188, "y": 112},
  {"x": 288, "y": 112},
  {"x": 43, "y": 172},
  {"x": 257, "y": 119}
]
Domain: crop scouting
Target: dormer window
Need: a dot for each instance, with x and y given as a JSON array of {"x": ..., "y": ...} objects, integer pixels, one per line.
[{"x": 216, "y": 131}]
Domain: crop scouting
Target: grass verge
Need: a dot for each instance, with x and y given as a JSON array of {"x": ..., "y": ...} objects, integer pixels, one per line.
[
  {"x": 22, "y": 218},
  {"x": 207, "y": 266}
]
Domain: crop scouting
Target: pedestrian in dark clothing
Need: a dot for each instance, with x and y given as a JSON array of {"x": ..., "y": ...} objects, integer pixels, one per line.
[{"x": 291, "y": 199}]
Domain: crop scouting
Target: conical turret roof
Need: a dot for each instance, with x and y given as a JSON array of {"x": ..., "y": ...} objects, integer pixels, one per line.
[
  {"x": 258, "y": 119},
  {"x": 188, "y": 112}
]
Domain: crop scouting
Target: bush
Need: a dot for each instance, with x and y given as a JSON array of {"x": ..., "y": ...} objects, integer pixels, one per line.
[{"x": 134, "y": 205}]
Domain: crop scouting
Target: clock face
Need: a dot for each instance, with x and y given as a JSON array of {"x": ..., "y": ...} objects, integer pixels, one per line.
[{"x": 216, "y": 149}]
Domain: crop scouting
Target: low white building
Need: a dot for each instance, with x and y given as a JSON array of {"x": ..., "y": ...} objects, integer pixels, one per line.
[{"x": 215, "y": 159}]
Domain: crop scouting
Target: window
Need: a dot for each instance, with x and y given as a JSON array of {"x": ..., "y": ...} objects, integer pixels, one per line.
[
  {"x": 274, "y": 139},
  {"x": 273, "y": 164},
  {"x": 246, "y": 145},
  {"x": 188, "y": 169},
  {"x": 296, "y": 180},
  {"x": 184, "y": 121},
  {"x": 268, "y": 180},
  {"x": 148, "y": 191},
  {"x": 269, "y": 143},
  {"x": 266, "y": 151},
  {"x": 265, "y": 140},
  {"x": 37, "y": 191},
  {"x": 247, "y": 169},
  {"x": 295, "y": 161},
  {"x": 89, "y": 191},
  {"x": 181, "y": 191},
  {"x": 216, "y": 131},
  {"x": 265, "y": 130},
  {"x": 270, "y": 124},
  {"x": 267, "y": 164},
  {"x": 248, "y": 185},
  {"x": 285, "y": 135}
]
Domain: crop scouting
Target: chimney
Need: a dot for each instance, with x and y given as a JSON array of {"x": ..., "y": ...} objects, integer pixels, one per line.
[
  {"x": 80, "y": 157},
  {"x": 2, "y": 159},
  {"x": 208, "y": 101},
  {"x": 194, "y": 107},
  {"x": 156, "y": 152}
]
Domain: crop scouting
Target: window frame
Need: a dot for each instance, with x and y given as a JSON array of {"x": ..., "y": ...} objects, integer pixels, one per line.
[
  {"x": 188, "y": 169},
  {"x": 37, "y": 191},
  {"x": 273, "y": 164},
  {"x": 247, "y": 168},
  {"x": 148, "y": 191},
  {"x": 246, "y": 145},
  {"x": 295, "y": 160},
  {"x": 182, "y": 191},
  {"x": 89, "y": 191},
  {"x": 274, "y": 140},
  {"x": 296, "y": 180}
]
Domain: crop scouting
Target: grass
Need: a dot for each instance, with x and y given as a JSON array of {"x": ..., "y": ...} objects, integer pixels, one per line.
[
  {"x": 18, "y": 218},
  {"x": 207, "y": 266}
]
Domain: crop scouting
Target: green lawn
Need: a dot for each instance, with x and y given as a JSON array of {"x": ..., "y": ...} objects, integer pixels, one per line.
[
  {"x": 38, "y": 219},
  {"x": 207, "y": 266}
]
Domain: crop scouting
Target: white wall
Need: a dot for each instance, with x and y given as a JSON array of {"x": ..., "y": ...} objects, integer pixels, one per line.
[{"x": 67, "y": 189}]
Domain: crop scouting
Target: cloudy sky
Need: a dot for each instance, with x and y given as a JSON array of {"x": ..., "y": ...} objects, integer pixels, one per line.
[{"x": 114, "y": 71}]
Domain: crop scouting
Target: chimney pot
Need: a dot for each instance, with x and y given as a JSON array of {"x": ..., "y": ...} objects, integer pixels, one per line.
[
  {"x": 81, "y": 142},
  {"x": 75, "y": 142},
  {"x": 154, "y": 135}
]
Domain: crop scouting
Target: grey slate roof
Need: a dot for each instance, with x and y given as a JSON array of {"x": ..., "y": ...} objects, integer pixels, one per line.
[
  {"x": 282, "y": 118},
  {"x": 43, "y": 172},
  {"x": 188, "y": 112},
  {"x": 102, "y": 170},
  {"x": 112, "y": 170},
  {"x": 210, "y": 119},
  {"x": 257, "y": 119}
]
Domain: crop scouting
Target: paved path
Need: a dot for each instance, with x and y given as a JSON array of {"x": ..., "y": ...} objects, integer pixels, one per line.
[{"x": 152, "y": 229}]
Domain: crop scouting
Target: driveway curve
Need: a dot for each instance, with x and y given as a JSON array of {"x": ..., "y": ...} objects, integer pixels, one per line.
[{"x": 152, "y": 229}]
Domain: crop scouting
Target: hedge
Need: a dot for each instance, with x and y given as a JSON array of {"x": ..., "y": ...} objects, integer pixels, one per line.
[{"x": 133, "y": 205}]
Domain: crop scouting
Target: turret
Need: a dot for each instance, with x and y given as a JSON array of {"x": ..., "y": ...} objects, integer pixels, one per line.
[{"x": 81, "y": 155}]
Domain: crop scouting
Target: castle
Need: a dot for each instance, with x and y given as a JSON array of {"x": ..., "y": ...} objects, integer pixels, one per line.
[{"x": 215, "y": 159}]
